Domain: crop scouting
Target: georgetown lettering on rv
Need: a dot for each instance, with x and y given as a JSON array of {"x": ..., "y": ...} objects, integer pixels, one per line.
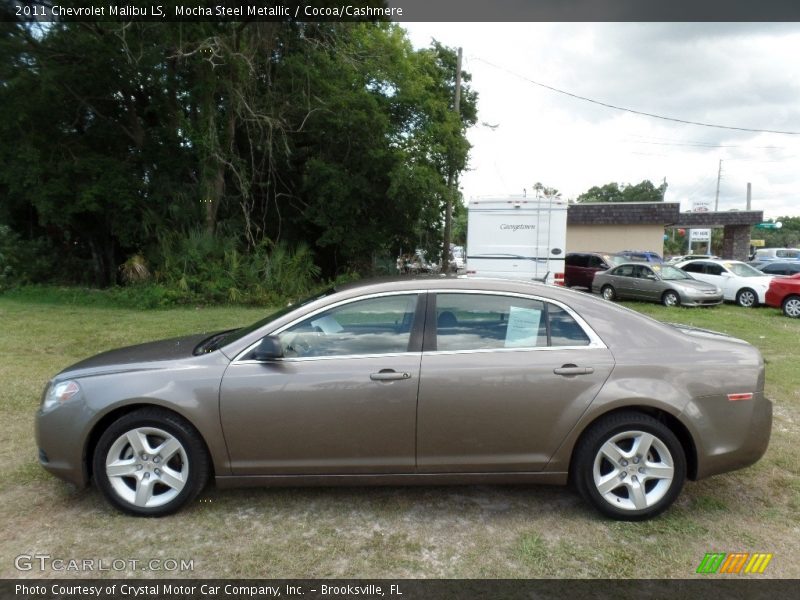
[{"x": 517, "y": 226}]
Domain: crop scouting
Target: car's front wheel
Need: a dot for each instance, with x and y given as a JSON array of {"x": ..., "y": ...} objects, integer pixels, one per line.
[
  {"x": 791, "y": 307},
  {"x": 746, "y": 298},
  {"x": 671, "y": 298},
  {"x": 608, "y": 293},
  {"x": 150, "y": 462},
  {"x": 630, "y": 466}
]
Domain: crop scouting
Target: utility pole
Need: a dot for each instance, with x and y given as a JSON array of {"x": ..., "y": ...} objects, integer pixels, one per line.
[
  {"x": 749, "y": 195},
  {"x": 719, "y": 176},
  {"x": 451, "y": 192}
]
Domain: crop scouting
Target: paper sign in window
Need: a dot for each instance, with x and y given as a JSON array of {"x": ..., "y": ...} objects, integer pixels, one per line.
[
  {"x": 523, "y": 327},
  {"x": 328, "y": 325}
]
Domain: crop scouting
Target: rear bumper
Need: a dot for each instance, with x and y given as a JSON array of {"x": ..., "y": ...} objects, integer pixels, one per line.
[{"x": 733, "y": 435}]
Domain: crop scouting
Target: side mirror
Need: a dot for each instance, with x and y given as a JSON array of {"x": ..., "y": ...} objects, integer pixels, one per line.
[{"x": 270, "y": 348}]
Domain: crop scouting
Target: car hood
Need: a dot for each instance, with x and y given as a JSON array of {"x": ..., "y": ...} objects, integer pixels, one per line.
[{"x": 140, "y": 356}]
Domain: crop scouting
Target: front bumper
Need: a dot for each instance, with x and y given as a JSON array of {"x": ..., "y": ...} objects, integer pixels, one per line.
[{"x": 60, "y": 439}]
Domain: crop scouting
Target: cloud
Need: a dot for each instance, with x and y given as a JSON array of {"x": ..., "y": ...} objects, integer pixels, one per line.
[{"x": 736, "y": 74}]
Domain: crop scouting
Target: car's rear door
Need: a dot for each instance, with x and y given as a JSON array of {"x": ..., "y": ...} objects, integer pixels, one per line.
[
  {"x": 343, "y": 400},
  {"x": 504, "y": 377},
  {"x": 622, "y": 278}
]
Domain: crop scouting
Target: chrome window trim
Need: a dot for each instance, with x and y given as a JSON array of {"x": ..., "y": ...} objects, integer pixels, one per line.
[
  {"x": 293, "y": 359},
  {"x": 240, "y": 361},
  {"x": 594, "y": 340}
]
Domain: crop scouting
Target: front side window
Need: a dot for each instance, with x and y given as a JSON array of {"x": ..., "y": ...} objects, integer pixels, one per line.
[
  {"x": 743, "y": 270},
  {"x": 487, "y": 322},
  {"x": 595, "y": 262},
  {"x": 373, "y": 326}
]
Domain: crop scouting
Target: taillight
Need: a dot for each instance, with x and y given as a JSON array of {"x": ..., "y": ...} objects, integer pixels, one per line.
[
  {"x": 742, "y": 396},
  {"x": 558, "y": 279}
]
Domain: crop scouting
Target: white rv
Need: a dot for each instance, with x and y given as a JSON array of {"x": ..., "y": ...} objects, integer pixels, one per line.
[{"x": 517, "y": 238}]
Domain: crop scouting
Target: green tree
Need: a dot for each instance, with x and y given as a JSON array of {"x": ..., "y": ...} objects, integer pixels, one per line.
[
  {"x": 788, "y": 236},
  {"x": 339, "y": 136},
  {"x": 645, "y": 191}
]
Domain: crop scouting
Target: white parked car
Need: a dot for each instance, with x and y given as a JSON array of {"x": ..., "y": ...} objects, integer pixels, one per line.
[{"x": 740, "y": 282}]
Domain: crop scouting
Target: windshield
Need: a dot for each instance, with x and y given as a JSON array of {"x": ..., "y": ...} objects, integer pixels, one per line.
[
  {"x": 668, "y": 273},
  {"x": 240, "y": 333},
  {"x": 743, "y": 270}
]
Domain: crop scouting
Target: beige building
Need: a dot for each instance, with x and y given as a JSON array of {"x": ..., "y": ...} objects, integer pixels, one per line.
[
  {"x": 615, "y": 226},
  {"x": 613, "y": 238}
]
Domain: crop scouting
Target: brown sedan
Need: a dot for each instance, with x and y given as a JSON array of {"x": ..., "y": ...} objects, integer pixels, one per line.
[{"x": 415, "y": 381}]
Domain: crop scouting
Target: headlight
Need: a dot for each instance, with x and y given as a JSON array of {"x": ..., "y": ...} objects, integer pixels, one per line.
[{"x": 59, "y": 393}]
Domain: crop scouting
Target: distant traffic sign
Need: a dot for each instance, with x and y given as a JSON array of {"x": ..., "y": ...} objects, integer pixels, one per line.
[{"x": 777, "y": 225}]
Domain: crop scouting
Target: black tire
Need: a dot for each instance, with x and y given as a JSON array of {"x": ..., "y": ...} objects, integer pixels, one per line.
[
  {"x": 671, "y": 298},
  {"x": 590, "y": 466},
  {"x": 791, "y": 306},
  {"x": 170, "y": 482},
  {"x": 747, "y": 298},
  {"x": 608, "y": 292}
]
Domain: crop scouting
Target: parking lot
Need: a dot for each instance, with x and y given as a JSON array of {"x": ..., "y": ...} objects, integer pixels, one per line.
[{"x": 450, "y": 532}]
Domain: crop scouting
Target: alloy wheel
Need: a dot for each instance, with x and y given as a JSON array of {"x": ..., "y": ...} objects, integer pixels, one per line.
[
  {"x": 791, "y": 307},
  {"x": 633, "y": 470},
  {"x": 746, "y": 298},
  {"x": 147, "y": 467}
]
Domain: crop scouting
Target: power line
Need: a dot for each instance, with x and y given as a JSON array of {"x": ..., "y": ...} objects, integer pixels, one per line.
[{"x": 633, "y": 111}]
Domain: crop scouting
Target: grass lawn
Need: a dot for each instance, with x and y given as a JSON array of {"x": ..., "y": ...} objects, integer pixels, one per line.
[{"x": 474, "y": 531}]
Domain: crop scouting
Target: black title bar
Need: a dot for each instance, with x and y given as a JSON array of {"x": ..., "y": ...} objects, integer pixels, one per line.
[{"x": 403, "y": 10}]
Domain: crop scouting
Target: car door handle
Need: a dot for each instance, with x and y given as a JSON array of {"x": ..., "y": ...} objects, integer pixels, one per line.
[
  {"x": 389, "y": 375},
  {"x": 573, "y": 370}
]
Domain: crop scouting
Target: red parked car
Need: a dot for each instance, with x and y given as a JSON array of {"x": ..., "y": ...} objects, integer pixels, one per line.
[{"x": 784, "y": 293}]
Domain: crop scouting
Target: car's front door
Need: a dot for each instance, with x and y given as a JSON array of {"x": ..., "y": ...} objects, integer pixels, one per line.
[
  {"x": 343, "y": 399},
  {"x": 503, "y": 379}
]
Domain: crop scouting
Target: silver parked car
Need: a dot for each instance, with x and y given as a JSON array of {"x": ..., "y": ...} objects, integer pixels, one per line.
[
  {"x": 434, "y": 381},
  {"x": 659, "y": 283}
]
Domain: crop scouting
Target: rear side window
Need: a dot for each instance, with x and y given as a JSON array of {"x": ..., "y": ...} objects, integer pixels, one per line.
[
  {"x": 787, "y": 253},
  {"x": 487, "y": 322},
  {"x": 693, "y": 268},
  {"x": 624, "y": 271}
]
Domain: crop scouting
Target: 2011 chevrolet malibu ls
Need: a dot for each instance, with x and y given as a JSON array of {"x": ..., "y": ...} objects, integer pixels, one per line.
[{"x": 415, "y": 381}]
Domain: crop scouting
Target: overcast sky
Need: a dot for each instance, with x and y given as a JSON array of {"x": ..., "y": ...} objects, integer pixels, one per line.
[{"x": 739, "y": 75}]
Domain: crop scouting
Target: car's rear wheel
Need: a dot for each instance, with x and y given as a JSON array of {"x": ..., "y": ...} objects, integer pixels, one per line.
[
  {"x": 608, "y": 293},
  {"x": 746, "y": 298},
  {"x": 791, "y": 307},
  {"x": 630, "y": 466},
  {"x": 150, "y": 462},
  {"x": 670, "y": 298}
]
